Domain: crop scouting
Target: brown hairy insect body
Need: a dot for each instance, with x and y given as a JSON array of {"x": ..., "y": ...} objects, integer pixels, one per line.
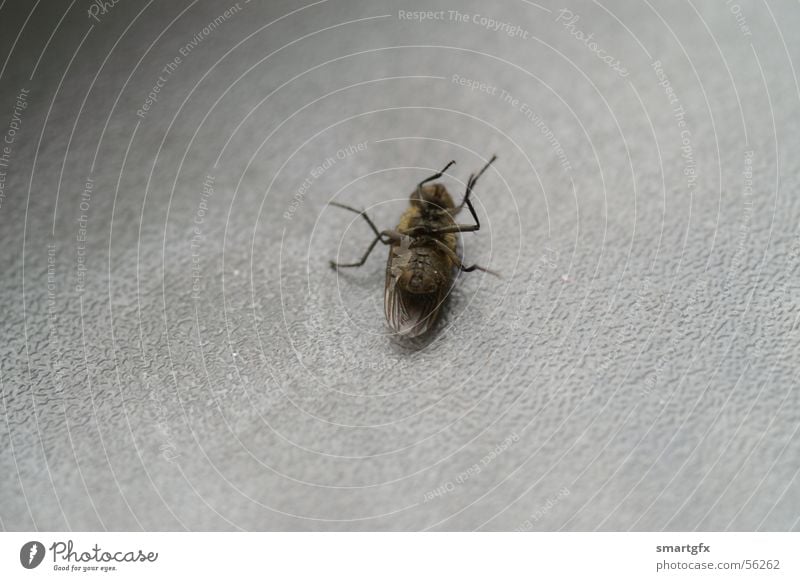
[{"x": 423, "y": 254}]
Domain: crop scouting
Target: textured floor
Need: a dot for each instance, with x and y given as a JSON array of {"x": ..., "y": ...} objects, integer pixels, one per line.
[{"x": 176, "y": 354}]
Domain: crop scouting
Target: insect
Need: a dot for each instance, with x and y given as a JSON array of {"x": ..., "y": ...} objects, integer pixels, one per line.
[{"x": 423, "y": 254}]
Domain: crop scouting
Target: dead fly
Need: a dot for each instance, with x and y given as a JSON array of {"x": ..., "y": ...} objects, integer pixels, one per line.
[{"x": 423, "y": 254}]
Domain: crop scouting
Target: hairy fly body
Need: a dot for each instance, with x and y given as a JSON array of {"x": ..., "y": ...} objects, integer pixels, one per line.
[{"x": 423, "y": 254}]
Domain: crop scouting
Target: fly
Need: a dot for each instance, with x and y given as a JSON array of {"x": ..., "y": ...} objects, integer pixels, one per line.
[{"x": 423, "y": 254}]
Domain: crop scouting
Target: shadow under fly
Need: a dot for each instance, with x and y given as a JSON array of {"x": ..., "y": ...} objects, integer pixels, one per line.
[{"x": 423, "y": 254}]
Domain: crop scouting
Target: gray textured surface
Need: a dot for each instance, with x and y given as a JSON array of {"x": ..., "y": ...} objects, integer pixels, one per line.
[{"x": 636, "y": 365}]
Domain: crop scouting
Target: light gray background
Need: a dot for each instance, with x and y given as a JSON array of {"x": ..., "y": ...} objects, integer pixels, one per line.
[{"x": 635, "y": 367}]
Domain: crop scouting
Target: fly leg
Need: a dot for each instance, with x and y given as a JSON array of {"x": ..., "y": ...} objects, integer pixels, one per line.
[
  {"x": 362, "y": 213},
  {"x": 481, "y": 268},
  {"x": 470, "y": 184},
  {"x": 457, "y": 261},
  {"x": 385, "y": 237},
  {"x": 434, "y": 176}
]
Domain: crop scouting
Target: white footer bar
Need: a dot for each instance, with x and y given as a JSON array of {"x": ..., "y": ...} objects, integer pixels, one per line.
[{"x": 390, "y": 556}]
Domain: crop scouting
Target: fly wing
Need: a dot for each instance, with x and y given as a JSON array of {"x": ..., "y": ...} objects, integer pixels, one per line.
[{"x": 409, "y": 314}]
